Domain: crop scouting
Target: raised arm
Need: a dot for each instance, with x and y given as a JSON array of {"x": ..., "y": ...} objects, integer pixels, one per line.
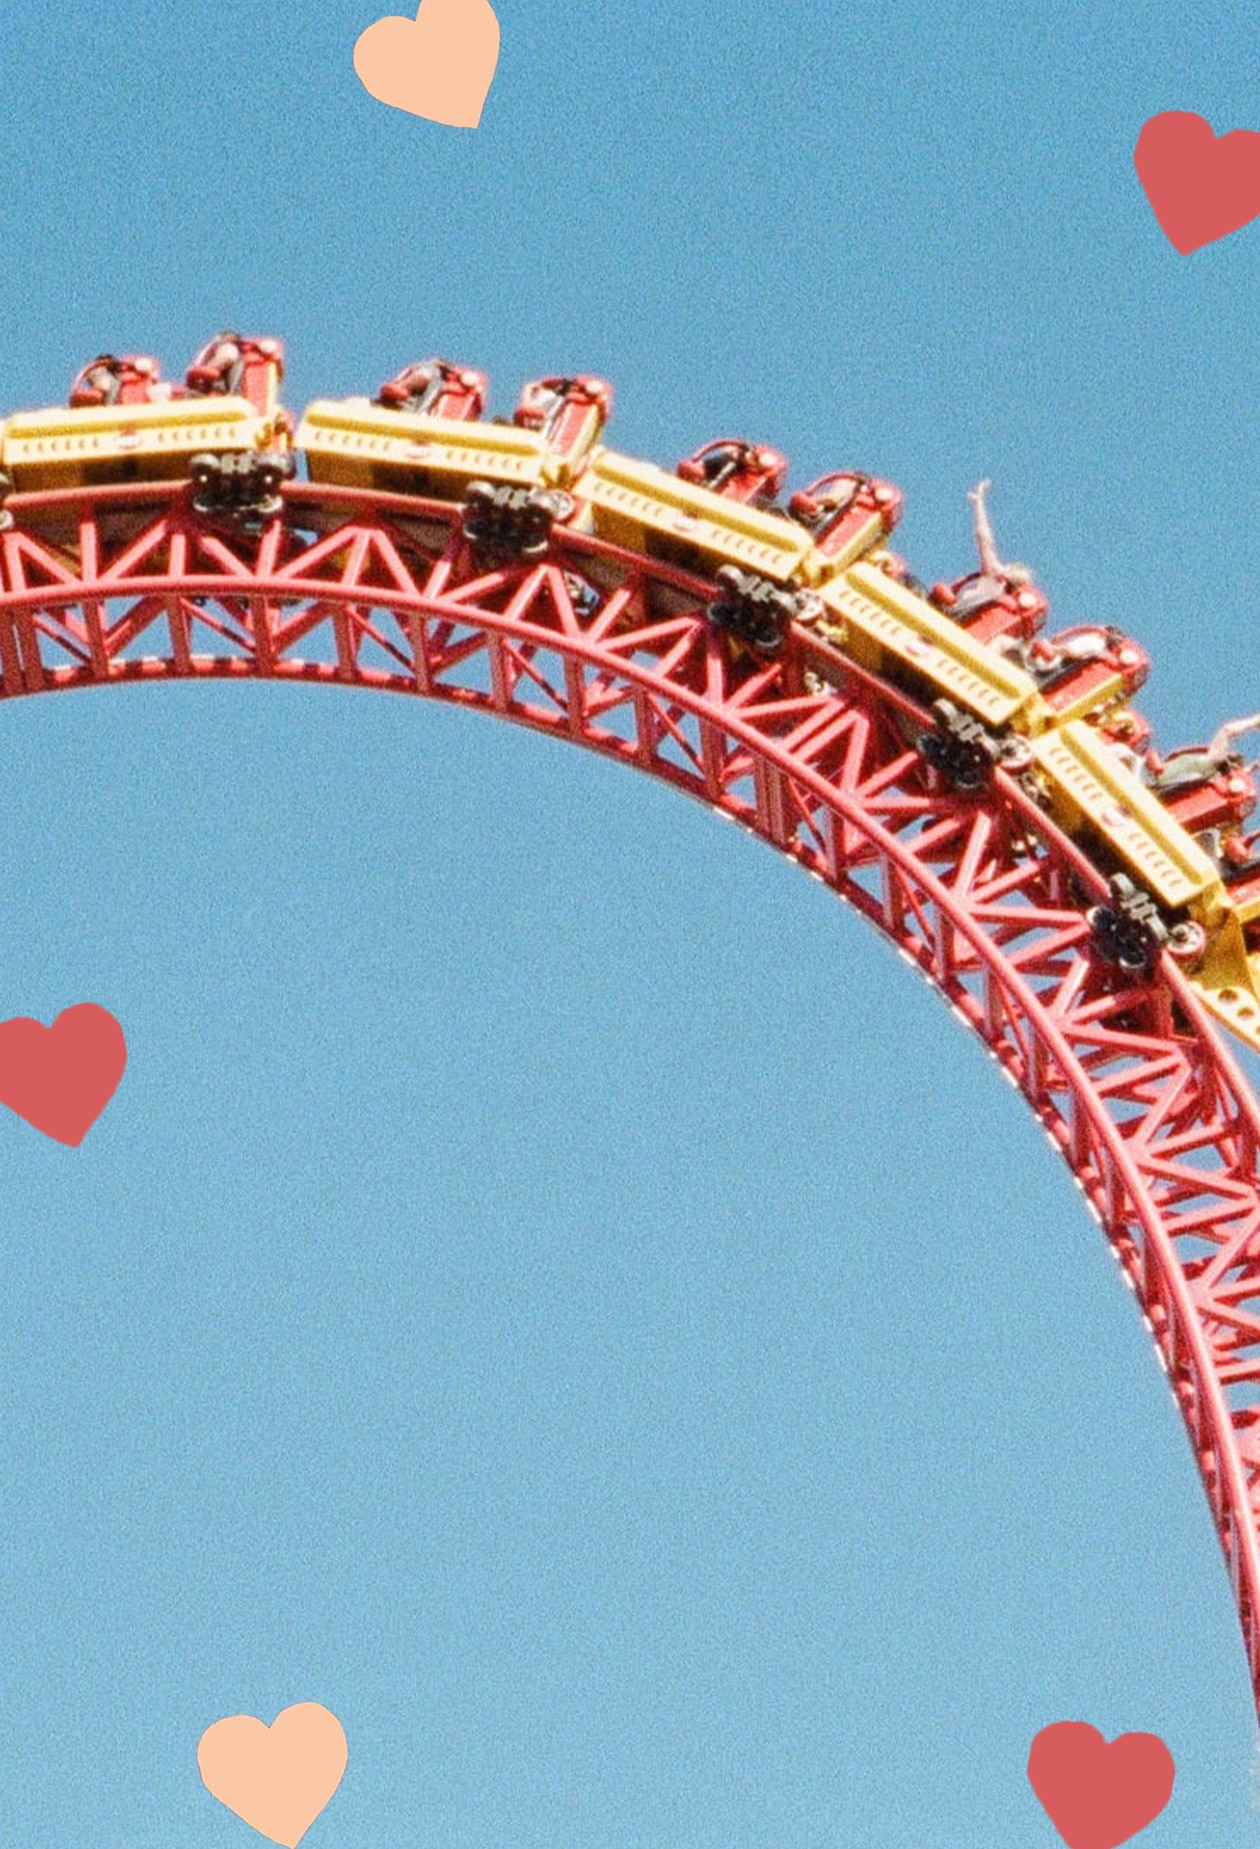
[
  {"x": 990, "y": 564},
  {"x": 1226, "y": 734}
]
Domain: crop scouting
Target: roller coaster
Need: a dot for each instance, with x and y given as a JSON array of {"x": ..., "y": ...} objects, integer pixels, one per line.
[{"x": 984, "y": 794}]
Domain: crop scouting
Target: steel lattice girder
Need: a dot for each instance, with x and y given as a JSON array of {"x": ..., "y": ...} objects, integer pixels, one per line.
[{"x": 981, "y": 893}]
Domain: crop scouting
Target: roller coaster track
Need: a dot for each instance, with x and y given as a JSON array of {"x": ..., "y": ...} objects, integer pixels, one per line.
[{"x": 980, "y": 892}]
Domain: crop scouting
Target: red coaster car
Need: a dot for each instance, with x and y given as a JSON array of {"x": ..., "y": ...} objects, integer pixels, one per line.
[
  {"x": 239, "y": 367},
  {"x": 109, "y": 379},
  {"x": 564, "y": 410},
  {"x": 436, "y": 388},
  {"x": 1210, "y": 789},
  {"x": 742, "y": 471},
  {"x": 1222, "y": 799},
  {"x": 1087, "y": 665},
  {"x": 988, "y": 605},
  {"x": 1238, "y": 857},
  {"x": 836, "y": 508},
  {"x": 1207, "y": 787},
  {"x": 999, "y": 599},
  {"x": 1129, "y": 734}
]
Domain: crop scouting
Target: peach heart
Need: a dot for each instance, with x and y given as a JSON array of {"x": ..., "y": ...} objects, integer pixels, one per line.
[
  {"x": 439, "y": 64},
  {"x": 1096, "y": 1795},
  {"x": 278, "y": 1778},
  {"x": 1201, "y": 186},
  {"x": 60, "y": 1078}
]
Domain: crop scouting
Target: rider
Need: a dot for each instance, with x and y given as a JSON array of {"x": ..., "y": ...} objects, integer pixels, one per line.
[
  {"x": 219, "y": 367},
  {"x": 1180, "y": 770},
  {"x": 1176, "y": 778},
  {"x": 1129, "y": 735},
  {"x": 750, "y": 472},
  {"x": 414, "y": 388},
  {"x": 436, "y": 387},
  {"x": 1234, "y": 852},
  {"x": 991, "y": 566},
  {"x": 102, "y": 381},
  {"x": 1000, "y": 600}
]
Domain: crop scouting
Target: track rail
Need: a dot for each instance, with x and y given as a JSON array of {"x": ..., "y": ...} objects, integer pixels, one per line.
[{"x": 982, "y": 894}]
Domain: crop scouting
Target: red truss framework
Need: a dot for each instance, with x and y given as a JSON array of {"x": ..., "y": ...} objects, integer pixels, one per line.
[{"x": 615, "y": 652}]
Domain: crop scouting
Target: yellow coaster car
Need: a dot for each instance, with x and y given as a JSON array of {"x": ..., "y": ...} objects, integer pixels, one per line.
[
  {"x": 1213, "y": 913},
  {"x": 125, "y": 424},
  {"x": 570, "y": 415},
  {"x": 1092, "y": 794},
  {"x": 354, "y": 443},
  {"x": 60, "y": 448},
  {"x": 887, "y": 628},
  {"x": 646, "y": 509}
]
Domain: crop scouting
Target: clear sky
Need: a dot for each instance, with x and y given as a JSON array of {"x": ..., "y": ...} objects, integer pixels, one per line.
[{"x": 514, "y": 1298}]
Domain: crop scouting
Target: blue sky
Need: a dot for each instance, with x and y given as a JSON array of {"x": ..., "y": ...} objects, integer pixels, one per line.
[{"x": 515, "y": 1298}]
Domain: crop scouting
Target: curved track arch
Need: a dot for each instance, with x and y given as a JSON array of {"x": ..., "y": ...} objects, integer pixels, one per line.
[{"x": 981, "y": 893}]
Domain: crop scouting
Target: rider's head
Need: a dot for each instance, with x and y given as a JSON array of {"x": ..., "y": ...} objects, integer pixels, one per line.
[{"x": 1125, "y": 727}]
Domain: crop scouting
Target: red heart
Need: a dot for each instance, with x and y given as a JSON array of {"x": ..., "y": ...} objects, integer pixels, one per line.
[
  {"x": 1200, "y": 187},
  {"x": 1097, "y": 1795},
  {"x": 60, "y": 1078}
]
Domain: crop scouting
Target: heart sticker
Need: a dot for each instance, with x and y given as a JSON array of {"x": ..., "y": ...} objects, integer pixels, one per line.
[
  {"x": 278, "y": 1778},
  {"x": 1097, "y": 1795},
  {"x": 439, "y": 64},
  {"x": 60, "y": 1078},
  {"x": 1201, "y": 187}
]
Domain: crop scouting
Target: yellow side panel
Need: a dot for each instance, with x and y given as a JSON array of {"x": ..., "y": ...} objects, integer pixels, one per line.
[
  {"x": 823, "y": 565},
  {"x": 1237, "y": 1007},
  {"x": 60, "y": 448},
  {"x": 883, "y": 621},
  {"x": 1105, "y": 694},
  {"x": 1227, "y": 982},
  {"x": 1089, "y": 782},
  {"x": 273, "y": 390},
  {"x": 358, "y": 444},
  {"x": 637, "y": 505},
  {"x": 559, "y": 471}
]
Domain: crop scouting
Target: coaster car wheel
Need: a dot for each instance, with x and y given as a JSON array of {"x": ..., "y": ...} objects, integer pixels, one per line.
[
  {"x": 964, "y": 752},
  {"x": 1129, "y": 930},
  {"x": 1015, "y": 755},
  {"x": 757, "y": 611},
  {"x": 1187, "y": 942},
  {"x": 501, "y": 521}
]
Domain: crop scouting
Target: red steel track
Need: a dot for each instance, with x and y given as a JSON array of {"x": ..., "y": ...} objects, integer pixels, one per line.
[{"x": 980, "y": 892}]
